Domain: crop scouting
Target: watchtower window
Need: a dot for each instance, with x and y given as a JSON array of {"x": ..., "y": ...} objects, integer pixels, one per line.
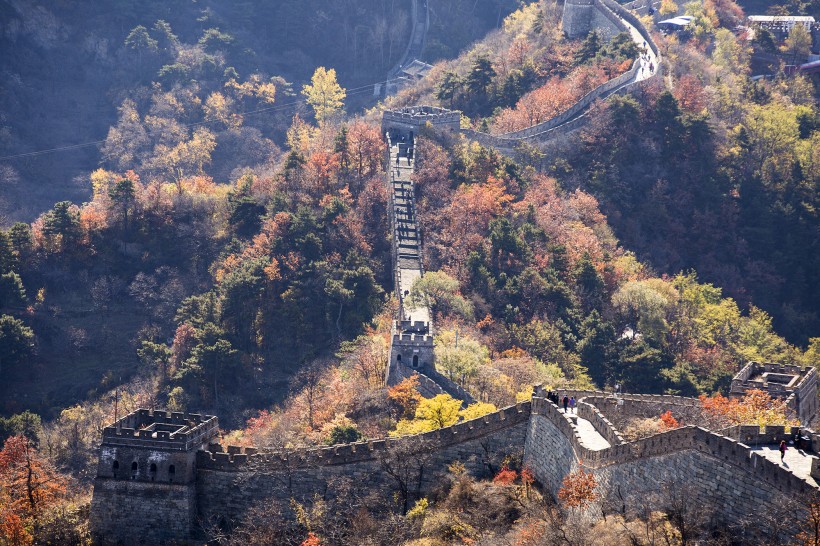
[
  {"x": 115, "y": 466},
  {"x": 134, "y": 466},
  {"x": 171, "y": 472},
  {"x": 398, "y": 358},
  {"x": 153, "y": 467},
  {"x": 415, "y": 361}
]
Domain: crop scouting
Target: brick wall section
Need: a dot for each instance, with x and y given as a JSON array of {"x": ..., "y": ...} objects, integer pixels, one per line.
[
  {"x": 643, "y": 407},
  {"x": 135, "y": 512},
  {"x": 228, "y": 483},
  {"x": 606, "y": 22},
  {"x": 721, "y": 471},
  {"x": 577, "y": 17}
]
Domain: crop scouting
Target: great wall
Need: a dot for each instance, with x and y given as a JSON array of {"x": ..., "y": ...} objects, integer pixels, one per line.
[{"x": 162, "y": 478}]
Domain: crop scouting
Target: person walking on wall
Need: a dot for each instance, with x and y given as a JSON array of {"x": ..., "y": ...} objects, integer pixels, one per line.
[
  {"x": 782, "y": 449},
  {"x": 566, "y": 402},
  {"x": 572, "y": 404}
]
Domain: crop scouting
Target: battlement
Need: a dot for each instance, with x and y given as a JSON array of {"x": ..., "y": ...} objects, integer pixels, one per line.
[
  {"x": 234, "y": 458},
  {"x": 413, "y": 339},
  {"x": 783, "y": 376},
  {"x": 797, "y": 385},
  {"x": 754, "y": 435},
  {"x": 422, "y": 114},
  {"x": 601, "y": 424},
  {"x": 412, "y": 118},
  {"x": 599, "y": 397},
  {"x": 412, "y": 327},
  {"x": 161, "y": 430},
  {"x": 689, "y": 438}
]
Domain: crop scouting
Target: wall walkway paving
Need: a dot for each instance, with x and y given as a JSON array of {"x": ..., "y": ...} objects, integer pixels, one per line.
[{"x": 797, "y": 461}]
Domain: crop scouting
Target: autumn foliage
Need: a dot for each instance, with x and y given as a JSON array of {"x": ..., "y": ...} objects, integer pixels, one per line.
[
  {"x": 578, "y": 489},
  {"x": 29, "y": 486},
  {"x": 668, "y": 422},
  {"x": 406, "y": 395},
  {"x": 505, "y": 476},
  {"x": 311, "y": 540},
  {"x": 754, "y": 408}
]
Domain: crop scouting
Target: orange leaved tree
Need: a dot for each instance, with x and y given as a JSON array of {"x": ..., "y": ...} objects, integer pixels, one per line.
[
  {"x": 578, "y": 489},
  {"x": 406, "y": 395},
  {"x": 29, "y": 485},
  {"x": 667, "y": 421},
  {"x": 754, "y": 408}
]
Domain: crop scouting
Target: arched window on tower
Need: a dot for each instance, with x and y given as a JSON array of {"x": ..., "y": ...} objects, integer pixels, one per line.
[
  {"x": 415, "y": 361},
  {"x": 171, "y": 473}
]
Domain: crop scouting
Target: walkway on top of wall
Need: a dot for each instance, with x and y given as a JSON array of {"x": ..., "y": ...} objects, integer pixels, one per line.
[
  {"x": 649, "y": 58},
  {"x": 589, "y": 437},
  {"x": 408, "y": 241},
  {"x": 798, "y": 461}
]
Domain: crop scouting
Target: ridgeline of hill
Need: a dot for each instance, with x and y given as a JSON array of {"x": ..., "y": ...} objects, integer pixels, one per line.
[{"x": 228, "y": 250}]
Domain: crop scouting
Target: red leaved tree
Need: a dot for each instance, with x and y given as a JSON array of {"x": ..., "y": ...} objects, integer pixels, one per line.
[
  {"x": 578, "y": 489},
  {"x": 29, "y": 485}
]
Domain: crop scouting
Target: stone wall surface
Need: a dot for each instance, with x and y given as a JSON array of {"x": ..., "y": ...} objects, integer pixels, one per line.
[
  {"x": 605, "y": 22},
  {"x": 135, "y": 512},
  {"x": 719, "y": 471},
  {"x": 548, "y": 454},
  {"x": 577, "y": 17},
  {"x": 600, "y": 423},
  {"x": 229, "y": 484}
]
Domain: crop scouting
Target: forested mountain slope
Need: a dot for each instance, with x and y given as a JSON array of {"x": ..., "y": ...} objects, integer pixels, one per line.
[
  {"x": 232, "y": 253},
  {"x": 67, "y": 67},
  {"x": 718, "y": 175}
]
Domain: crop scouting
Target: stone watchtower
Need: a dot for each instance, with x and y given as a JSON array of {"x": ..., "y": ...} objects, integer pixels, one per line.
[
  {"x": 146, "y": 476},
  {"x": 794, "y": 384},
  {"x": 412, "y": 118}
]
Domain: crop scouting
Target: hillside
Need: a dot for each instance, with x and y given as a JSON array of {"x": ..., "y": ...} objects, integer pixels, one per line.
[
  {"x": 75, "y": 62},
  {"x": 229, "y": 250}
]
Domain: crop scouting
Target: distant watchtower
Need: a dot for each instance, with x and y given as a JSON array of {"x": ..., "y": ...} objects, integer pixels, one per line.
[
  {"x": 408, "y": 121},
  {"x": 146, "y": 475}
]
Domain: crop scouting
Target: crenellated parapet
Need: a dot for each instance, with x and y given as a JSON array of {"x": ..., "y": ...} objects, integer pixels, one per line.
[
  {"x": 235, "y": 458},
  {"x": 719, "y": 470},
  {"x": 413, "y": 118},
  {"x": 159, "y": 429},
  {"x": 797, "y": 385}
]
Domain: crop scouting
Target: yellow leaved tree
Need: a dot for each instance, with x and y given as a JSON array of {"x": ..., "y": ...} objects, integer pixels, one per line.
[
  {"x": 324, "y": 94},
  {"x": 438, "y": 412}
]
